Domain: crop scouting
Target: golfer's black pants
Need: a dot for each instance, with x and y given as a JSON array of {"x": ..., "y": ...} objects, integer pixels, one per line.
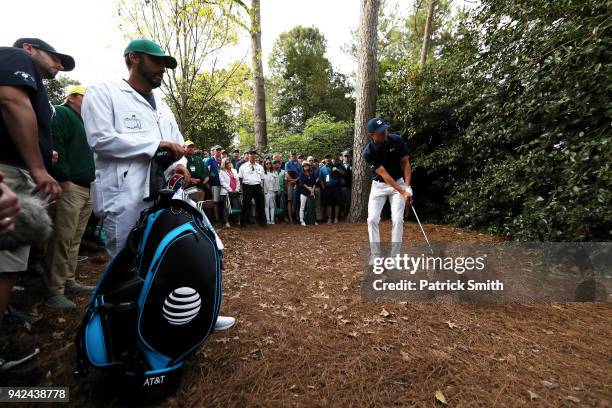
[{"x": 250, "y": 192}]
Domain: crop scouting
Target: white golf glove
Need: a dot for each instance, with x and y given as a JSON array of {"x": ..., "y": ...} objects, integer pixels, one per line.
[{"x": 409, "y": 190}]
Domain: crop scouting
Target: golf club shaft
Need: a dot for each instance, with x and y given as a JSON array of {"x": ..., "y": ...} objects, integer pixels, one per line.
[{"x": 422, "y": 230}]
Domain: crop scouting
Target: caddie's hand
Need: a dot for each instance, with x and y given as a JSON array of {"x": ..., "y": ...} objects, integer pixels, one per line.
[
  {"x": 50, "y": 188},
  {"x": 182, "y": 170},
  {"x": 175, "y": 149}
]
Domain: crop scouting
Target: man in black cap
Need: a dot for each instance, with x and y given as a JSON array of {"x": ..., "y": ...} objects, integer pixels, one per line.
[
  {"x": 25, "y": 136},
  {"x": 25, "y": 123}
]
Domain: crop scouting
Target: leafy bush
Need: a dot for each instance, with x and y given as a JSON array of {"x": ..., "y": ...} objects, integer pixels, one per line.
[
  {"x": 510, "y": 126},
  {"x": 321, "y": 135}
]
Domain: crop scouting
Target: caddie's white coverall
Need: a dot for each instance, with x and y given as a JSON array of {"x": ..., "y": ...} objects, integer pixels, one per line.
[{"x": 124, "y": 131}]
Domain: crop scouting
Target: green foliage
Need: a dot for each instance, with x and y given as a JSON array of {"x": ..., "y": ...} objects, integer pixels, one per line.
[
  {"x": 401, "y": 38},
  {"x": 215, "y": 127},
  {"x": 510, "y": 123},
  {"x": 57, "y": 87},
  {"x": 237, "y": 94},
  {"x": 211, "y": 111},
  {"x": 246, "y": 140},
  {"x": 322, "y": 135},
  {"x": 303, "y": 81}
]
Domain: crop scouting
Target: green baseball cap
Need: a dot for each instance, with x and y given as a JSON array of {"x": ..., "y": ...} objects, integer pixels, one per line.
[{"x": 149, "y": 47}]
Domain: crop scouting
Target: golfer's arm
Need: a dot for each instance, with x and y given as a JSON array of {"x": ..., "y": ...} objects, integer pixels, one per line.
[
  {"x": 389, "y": 180},
  {"x": 20, "y": 121},
  {"x": 407, "y": 170}
]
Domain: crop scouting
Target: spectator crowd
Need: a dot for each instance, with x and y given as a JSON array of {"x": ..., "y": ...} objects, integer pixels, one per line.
[{"x": 267, "y": 188}]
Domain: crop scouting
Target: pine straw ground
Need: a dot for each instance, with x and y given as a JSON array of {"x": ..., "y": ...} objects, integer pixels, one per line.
[{"x": 305, "y": 338}]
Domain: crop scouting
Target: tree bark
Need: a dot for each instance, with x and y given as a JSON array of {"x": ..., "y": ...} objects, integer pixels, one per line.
[
  {"x": 427, "y": 34},
  {"x": 259, "y": 100},
  {"x": 365, "y": 106}
]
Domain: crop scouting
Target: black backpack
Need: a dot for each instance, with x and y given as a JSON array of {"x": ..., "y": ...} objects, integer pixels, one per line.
[{"x": 156, "y": 303}]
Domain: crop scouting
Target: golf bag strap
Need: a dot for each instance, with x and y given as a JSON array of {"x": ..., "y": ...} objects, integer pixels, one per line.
[
  {"x": 105, "y": 302},
  {"x": 79, "y": 342}
]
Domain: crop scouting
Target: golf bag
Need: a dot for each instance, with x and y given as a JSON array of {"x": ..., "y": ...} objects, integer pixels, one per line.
[{"x": 157, "y": 301}]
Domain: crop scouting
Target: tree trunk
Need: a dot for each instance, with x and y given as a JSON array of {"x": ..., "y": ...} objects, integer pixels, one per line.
[
  {"x": 259, "y": 100},
  {"x": 427, "y": 34},
  {"x": 365, "y": 106}
]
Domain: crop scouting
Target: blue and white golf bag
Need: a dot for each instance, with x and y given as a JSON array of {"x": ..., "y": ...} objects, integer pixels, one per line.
[{"x": 157, "y": 301}]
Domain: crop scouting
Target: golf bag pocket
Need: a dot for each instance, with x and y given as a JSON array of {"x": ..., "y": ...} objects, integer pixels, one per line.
[
  {"x": 179, "y": 303},
  {"x": 108, "y": 335}
]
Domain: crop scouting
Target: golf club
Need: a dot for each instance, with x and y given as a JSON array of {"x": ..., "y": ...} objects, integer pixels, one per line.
[{"x": 422, "y": 230}]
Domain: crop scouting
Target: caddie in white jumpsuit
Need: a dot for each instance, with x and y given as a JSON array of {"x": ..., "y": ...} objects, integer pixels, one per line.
[
  {"x": 388, "y": 158},
  {"x": 126, "y": 122}
]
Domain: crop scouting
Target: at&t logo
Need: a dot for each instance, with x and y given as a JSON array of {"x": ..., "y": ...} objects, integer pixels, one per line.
[{"x": 182, "y": 306}]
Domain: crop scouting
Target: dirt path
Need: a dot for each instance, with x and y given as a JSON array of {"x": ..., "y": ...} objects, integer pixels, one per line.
[{"x": 305, "y": 337}]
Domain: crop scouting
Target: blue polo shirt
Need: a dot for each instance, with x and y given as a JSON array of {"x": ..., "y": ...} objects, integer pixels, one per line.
[
  {"x": 295, "y": 166},
  {"x": 213, "y": 168},
  {"x": 330, "y": 178},
  {"x": 387, "y": 155}
]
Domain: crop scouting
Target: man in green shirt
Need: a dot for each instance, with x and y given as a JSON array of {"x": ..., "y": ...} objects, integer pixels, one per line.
[
  {"x": 74, "y": 170},
  {"x": 198, "y": 170}
]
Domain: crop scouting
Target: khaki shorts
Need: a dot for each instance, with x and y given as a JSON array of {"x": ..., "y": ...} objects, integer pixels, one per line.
[{"x": 19, "y": 181}]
